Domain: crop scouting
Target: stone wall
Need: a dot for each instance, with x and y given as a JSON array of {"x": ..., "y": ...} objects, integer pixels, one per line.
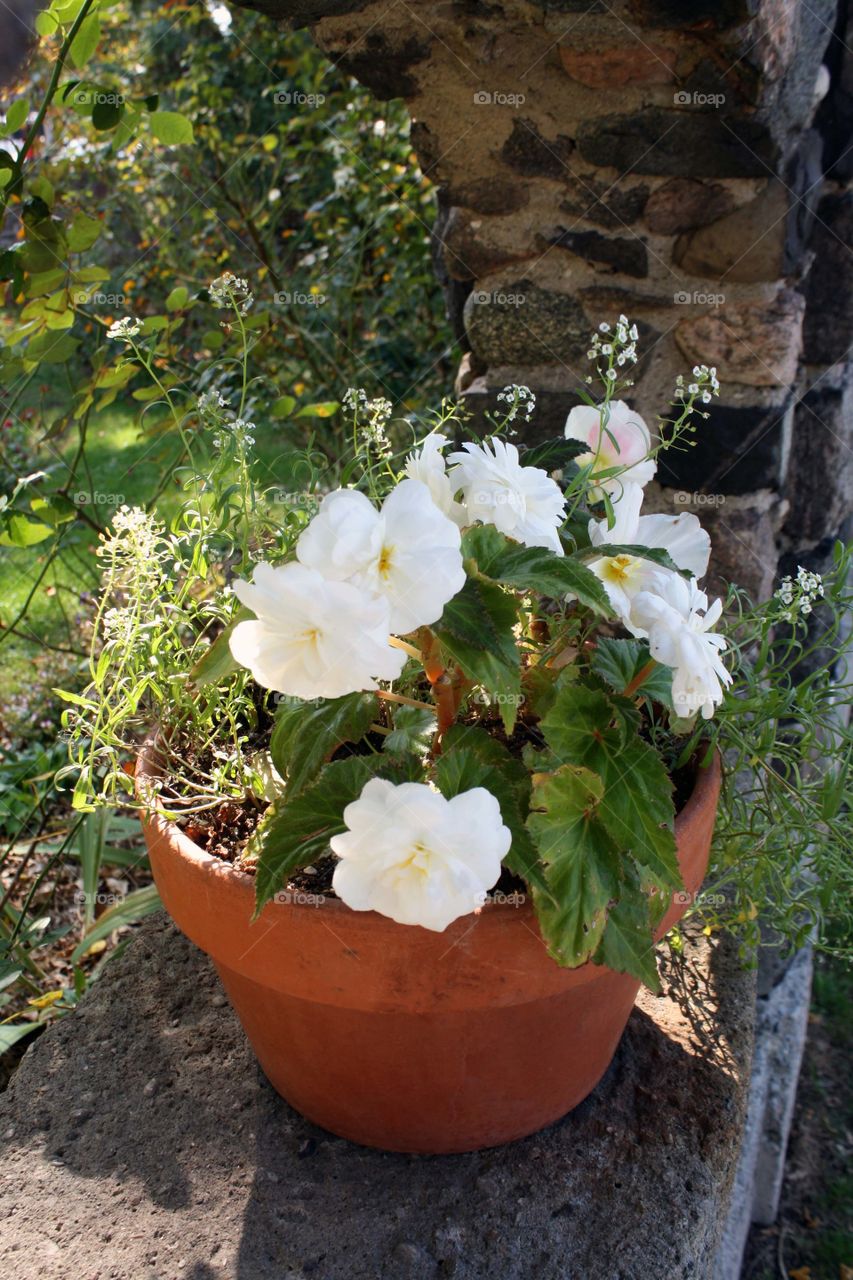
[{"x": 682, "y": 162}]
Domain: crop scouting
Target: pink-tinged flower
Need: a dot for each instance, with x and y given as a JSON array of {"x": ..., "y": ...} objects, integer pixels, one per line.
[
  {"x": 414, "y": 856},
  {"x": 622, "y": 441}
]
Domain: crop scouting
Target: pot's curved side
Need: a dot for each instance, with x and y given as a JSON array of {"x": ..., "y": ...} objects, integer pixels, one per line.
[{"x": 398, "y": 1037}]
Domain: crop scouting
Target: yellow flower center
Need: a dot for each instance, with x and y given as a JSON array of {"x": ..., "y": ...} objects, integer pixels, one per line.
[
  {"x": 619, "y": 569},
  {"x": 385, "y": 562},
  {"x": 418, "y": 859}
]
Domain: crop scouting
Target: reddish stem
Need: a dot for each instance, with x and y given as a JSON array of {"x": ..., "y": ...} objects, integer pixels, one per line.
[{"x": 639, "y": 679}]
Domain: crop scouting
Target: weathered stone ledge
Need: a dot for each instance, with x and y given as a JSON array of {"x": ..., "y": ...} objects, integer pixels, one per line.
[{"x": 142, "y": 1141}]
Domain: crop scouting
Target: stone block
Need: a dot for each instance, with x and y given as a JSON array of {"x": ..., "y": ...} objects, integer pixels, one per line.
[
  {"x": 473, "y": 245},
  {"x": 745, "y": 246},
  {"x": 736, "y": 450},
  {"x": 684, "y": 203},
  {"x": 626, "y": 64},
  {"x": 743, "y": 531},
  {"x": 515, "y": 322},
  {"x": 659, "y": 141},
  {"x": 383, "y": 66},
  {"x": 528, "y": 153},
  {"x": 493, "y": 196},
  {"x": 605, "y": 204},
  {"x": 754, "y": 343},
  {"x": 828, "y": 323},
  {"x": 820, "y": 472},
  {"x": 625, "y": 254},
  {"x": 780, "y": 1035}
]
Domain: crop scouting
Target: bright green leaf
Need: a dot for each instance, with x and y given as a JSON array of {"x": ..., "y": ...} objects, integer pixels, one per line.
[
  {"x": 305, "y": 734},
  {"x": 178, "y": 298},
  {"x": 86, "y": 40},
  {"x": 581, "y": 862},
  {"x": 171, "y": 128},
  {"x": 83, "y": 232},
  {"x": 16, "y": 114},
  {"x": 295, "y": 832}
]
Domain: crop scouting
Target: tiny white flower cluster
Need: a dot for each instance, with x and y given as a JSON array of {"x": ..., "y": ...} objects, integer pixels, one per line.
[
  {"x": 134, "y": 548},
  {"x": 355, "y": 399},
  {"x": 373, "y": 431},
  {"x": 212, "y": 404},
  {"x": 520, "y": 400},
  {"x": 705, "y": 384},
  {"x": 124, "y": 330},
  {"x": 119, "y": 624},
  {"x": 618, "y": 345},
  {"x": 240, "y": 432},
  {"x": 800, "y": 594},
  {"x": 373, "y": 417},
  {"x": 229, "y": 290},
  {"x": 135, "y": 525}
]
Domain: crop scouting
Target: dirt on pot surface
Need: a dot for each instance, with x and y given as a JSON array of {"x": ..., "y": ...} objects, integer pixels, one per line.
[{"x": 812, "y": 1238}]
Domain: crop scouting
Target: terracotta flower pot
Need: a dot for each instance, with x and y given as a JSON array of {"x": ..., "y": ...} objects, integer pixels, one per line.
[{"x": 397, "y": 1037}]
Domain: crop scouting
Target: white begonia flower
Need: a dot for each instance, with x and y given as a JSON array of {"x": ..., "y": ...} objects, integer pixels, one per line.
[
  {"x": 523, "y": 502},
  {"x": 678, "y": 623},
  {"x": 414, "y": 856},
  {"x": 427, "y": 465},
  {"x": 408, "y": 553},
  {"x": 624, "y": 441},
  {"x": 625, "y": 575},
  {"x": 312, "y": 638}
]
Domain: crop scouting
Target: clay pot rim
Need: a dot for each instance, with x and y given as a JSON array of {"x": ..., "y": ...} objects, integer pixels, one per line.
[{"x": 215, "y": 869}]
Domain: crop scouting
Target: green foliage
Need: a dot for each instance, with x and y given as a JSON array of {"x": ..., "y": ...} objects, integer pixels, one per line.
[
  {"x": 476, "y": 630},
  {"x": 603, "y": 819},
  {"x": 534, "y": 569},
  {"x": 298, "y": 829},
  {"x": 305, "y": 736}
]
